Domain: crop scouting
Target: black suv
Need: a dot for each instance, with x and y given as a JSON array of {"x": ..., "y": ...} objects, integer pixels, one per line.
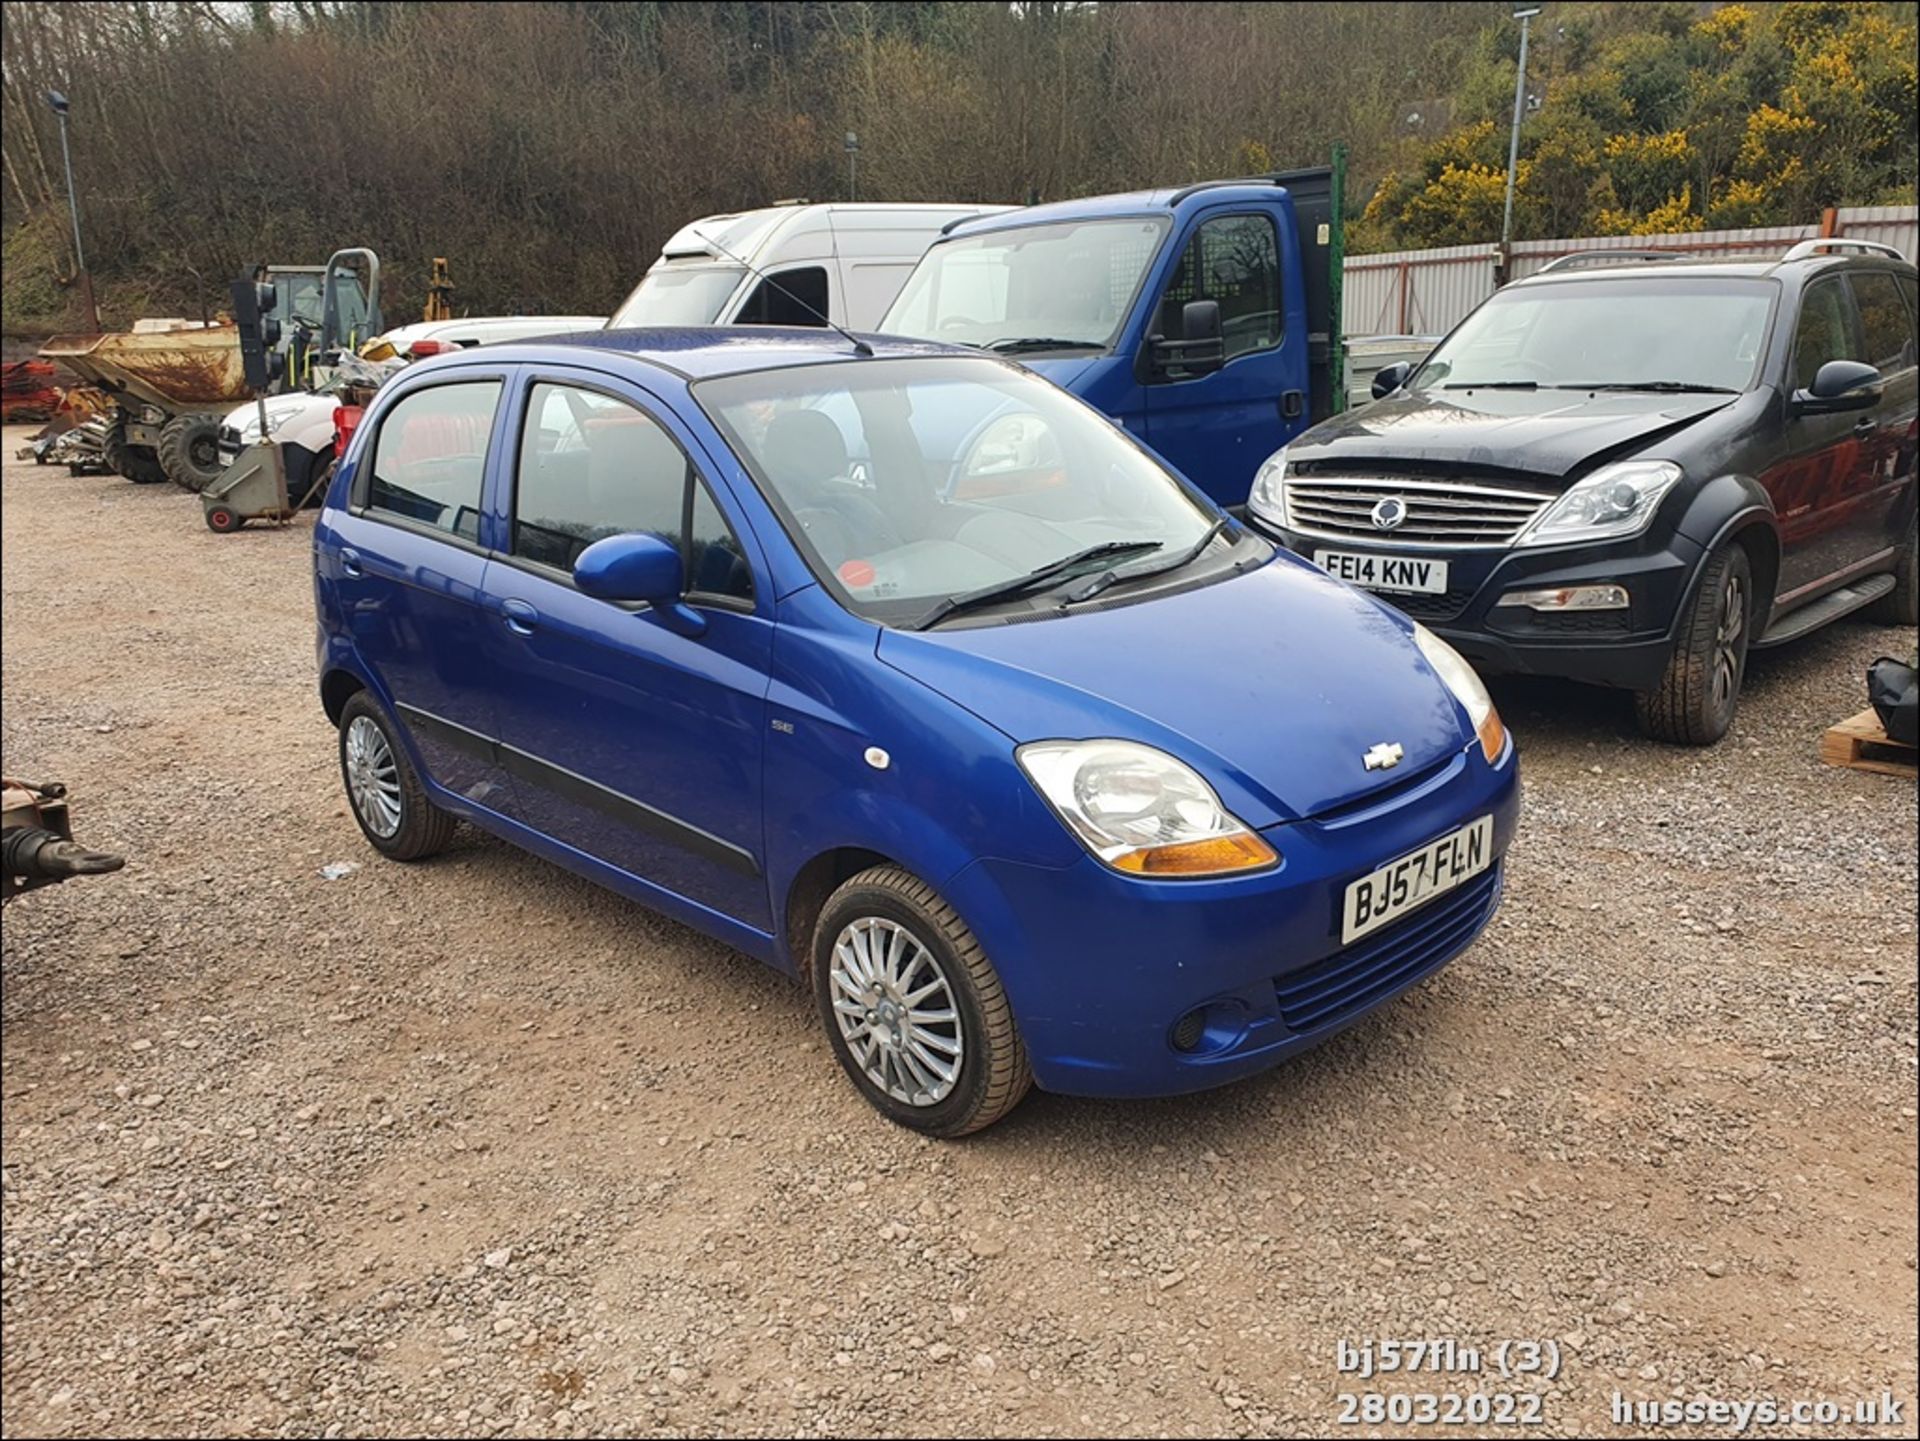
[{"x": 1628, "y": 473}]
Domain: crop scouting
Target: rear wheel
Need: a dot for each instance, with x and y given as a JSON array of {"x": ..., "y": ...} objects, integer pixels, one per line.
[
  {"x": 136, "y": 463},
  {"x": 190, "y": 450},
  {"x": 384, "y": 793},
  {"x": 1696, "y": 698},
  {"x": 1901, "y": 605},
  {"x": 913, "y": 1008}
]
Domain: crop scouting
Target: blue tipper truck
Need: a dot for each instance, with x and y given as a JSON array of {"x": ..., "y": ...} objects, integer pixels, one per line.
[{"x": 1204, "y": 319}]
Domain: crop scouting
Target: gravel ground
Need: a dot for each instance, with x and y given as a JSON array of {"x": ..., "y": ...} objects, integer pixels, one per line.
[{"x": 476, "y": 1147}]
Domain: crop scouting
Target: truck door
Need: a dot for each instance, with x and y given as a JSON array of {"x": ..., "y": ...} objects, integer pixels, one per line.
[{"x": 1217, "y": 427}]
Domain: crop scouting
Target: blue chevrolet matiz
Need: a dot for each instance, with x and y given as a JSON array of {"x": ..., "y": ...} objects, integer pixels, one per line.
[{"x": 910, "y": 674}]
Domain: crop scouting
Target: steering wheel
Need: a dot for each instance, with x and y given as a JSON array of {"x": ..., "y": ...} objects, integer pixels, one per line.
[{"x": 953, "y": 324}]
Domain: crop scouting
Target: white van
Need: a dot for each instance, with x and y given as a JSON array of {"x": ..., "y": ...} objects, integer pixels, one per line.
[{"x": 846, "y": 262}]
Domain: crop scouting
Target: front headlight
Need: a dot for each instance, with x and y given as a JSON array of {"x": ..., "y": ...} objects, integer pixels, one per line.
[
  {"x": 1467, "y": 688},
  {"x": 1268, "y": 498},
  {"x": 1141, "y": 811},
  {"x": 1615, "y": 502}
]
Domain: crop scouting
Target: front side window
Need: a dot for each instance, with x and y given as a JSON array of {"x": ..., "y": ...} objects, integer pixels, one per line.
[
  {"x": 430, "y": 458},
  {"x": 1825, "y": 331},
  {"x": 1029, "y": 289},
  {"x": 908, "y": 481},
  {"x": 1623, "y": 334},
  {"x": 790, "y": 297},
  {"x": 1886, "y": 325},
  {"x": 592, "y": 466},
  {"x": 1235, "y": 260}
]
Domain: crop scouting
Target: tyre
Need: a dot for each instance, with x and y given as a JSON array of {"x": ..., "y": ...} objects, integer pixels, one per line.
[
  {"x": 1901, "y": 605},
  {"x": 913, "y": 1008},
  {"x": 136, "y": 463},
  {"x": 224, "y": 520},
  {"x": 383, "y": 792},
  {"x": 189, "y": 450},
  {"x": 1696, "y": 698},
  {"x": 319, "y": 479}
]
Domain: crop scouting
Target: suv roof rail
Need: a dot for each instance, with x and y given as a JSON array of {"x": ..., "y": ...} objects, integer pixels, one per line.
[
  {"x": 1600, "y": 257},
  {"x": 1806, "y": 249}
]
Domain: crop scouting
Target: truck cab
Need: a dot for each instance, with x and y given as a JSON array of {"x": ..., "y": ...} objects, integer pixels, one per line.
[{"x": 1202, "y": 320}]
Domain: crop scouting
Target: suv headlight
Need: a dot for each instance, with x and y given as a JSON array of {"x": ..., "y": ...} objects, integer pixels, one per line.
[
  {"x": 1141, "y": 811},
  {"x": 1268, "y": 498},
  {"x": 1461, "y": 678},
  {"x": 1614, "y": 502}
]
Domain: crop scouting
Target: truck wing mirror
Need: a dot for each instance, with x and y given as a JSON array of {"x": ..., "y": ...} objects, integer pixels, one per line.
[{"x": 1201, "y": 348}]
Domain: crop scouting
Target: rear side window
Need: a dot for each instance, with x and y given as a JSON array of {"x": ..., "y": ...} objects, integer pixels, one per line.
[
  {"x": 430, "y": 457},
  {"x": 1886, "y": 324},
  {"x": 1825, "y": 331},
  {"x": 793, "y": 297},
  {"x": 1235, "y": 260},
  {"x": 592, "y": 466}
]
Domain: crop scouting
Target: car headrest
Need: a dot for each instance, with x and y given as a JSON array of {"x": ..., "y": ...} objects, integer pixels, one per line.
[{"x": 804, "y": 447}]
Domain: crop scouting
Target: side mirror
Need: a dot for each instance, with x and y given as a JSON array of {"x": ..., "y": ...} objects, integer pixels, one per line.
[
  {"x": 1389, "y": 378},
  {"x": 640, "y": 568},
  {"x": 1201, "y": 348},
  {"x": 1840, "y": 385}
]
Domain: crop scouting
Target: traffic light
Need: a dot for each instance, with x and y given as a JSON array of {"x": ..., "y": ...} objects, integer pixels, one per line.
[{"x": 255, "y": 313}]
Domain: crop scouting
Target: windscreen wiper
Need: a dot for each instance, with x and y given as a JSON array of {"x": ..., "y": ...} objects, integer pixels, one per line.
[
  {"x": 1491, "y": 385},
  {"x": 1095, "y": 584},
  {"x": 1008, "y": 589},
  {"x": 1017, "y": 345},
  {"x": 1664, "y": 387}
]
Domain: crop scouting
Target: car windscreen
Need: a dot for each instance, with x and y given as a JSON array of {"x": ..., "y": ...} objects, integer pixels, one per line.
[
  {"x": 905, "y": 482},
  {"x": 1071, "y": 282},
  {"x": 1656, "y": 332},
  {"x": 670, "y": 295}
]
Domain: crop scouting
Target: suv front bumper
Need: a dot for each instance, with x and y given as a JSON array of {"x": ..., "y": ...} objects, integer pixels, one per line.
[{"x": 1625, "y": 648}]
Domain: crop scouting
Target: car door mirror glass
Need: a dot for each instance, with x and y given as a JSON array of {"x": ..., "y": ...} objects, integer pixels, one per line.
[{"x": 1390, "y": 378}]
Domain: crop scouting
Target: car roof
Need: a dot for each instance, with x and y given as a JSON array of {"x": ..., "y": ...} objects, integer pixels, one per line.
[
  {"x": 1125, "y": 204},
  {"x": 698, "y": 352}
]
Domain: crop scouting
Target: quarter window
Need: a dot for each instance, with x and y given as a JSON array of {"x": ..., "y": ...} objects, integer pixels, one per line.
[
  {"x": 592, "y": 466},
  {"x": 1235, "y": 260},
  {"x": 1886, "y": 325},
  {"x": 430, "y": 458},
  {"x": 793, "y": 297}
]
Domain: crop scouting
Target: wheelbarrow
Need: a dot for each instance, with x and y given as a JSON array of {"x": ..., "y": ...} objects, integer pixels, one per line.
[{"x": 254, "y": 487}]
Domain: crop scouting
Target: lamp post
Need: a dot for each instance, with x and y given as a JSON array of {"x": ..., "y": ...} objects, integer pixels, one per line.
[
  {"x": 853, "y": 161},
  {"x": 1513, "y": 140},
  {"x": 58, "y": 103}
]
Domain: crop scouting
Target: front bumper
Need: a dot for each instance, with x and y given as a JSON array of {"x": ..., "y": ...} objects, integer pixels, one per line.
[
  {"x": 1101, "y": 967},
  {"x": 1625, "y": 648}
]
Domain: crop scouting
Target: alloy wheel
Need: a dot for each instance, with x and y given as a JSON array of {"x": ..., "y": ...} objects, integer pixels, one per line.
[
  {"x": 373, "y": 778},
  {"x": 1730, "y": 639},
  {"x": 896, "y": 1011}
]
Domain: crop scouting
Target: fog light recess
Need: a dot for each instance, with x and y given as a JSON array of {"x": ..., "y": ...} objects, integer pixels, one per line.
[{"x": 1205, "y": 1030}]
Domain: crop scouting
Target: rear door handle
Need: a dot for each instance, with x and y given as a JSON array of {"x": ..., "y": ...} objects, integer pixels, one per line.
[
  {"x": 350, "y": 561},
  {"x": 521, "y": 618}
]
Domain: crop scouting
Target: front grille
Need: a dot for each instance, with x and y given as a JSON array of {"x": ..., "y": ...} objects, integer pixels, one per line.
[
  {"x": 1438, "y": 512},
  {"x": 1326, "y": 993}
]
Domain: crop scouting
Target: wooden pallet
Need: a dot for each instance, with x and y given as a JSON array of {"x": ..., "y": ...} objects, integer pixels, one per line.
[{"x": 1862, "y": 744}]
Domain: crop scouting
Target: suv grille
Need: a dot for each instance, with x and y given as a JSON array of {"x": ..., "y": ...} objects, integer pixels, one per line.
[{"x": 1446, "y": 513}]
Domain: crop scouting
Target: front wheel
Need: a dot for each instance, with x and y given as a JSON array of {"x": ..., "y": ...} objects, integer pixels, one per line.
[
  {"x": 1696, "y": 698},
  {"x": 189, "y": 451},
  {"x": 386, "y": 796},
  {"x": 913, "y": 1008}
]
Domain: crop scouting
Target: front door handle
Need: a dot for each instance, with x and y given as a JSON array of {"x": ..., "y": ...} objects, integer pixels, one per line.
[
  {"x": 1865, "y": 426},
  {"x": 1291, "y": 404},
  {"x": 350, "y": 562},
  {"x": 520, "y": 617}
]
